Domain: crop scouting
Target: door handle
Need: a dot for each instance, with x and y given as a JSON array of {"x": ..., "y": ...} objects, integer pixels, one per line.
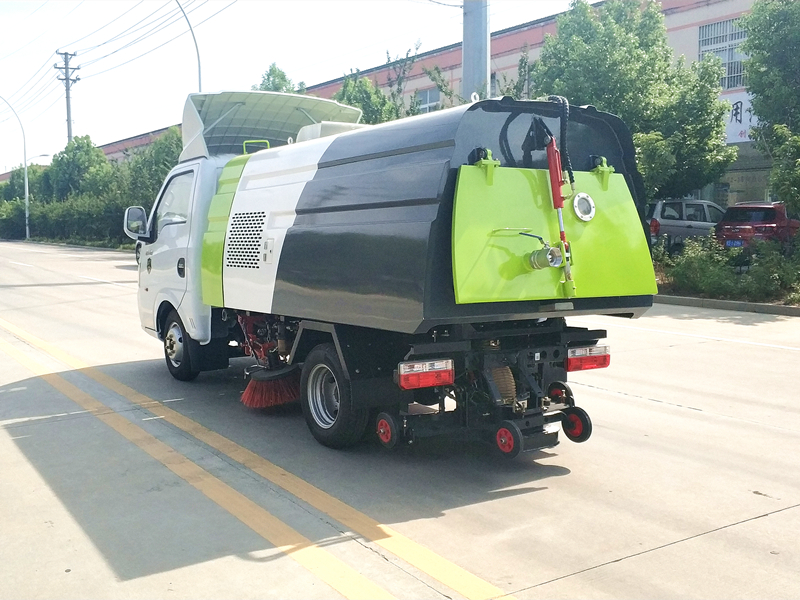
[{"x": 181, "y": 267}]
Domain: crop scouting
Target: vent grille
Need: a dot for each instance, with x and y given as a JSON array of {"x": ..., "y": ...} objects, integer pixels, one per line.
[{"x": 243, "y": 246}]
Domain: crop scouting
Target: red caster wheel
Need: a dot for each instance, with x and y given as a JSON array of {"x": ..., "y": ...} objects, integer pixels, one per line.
[
  {"x": 508, "y": 439},
  {"x": 560, "y": 393},
  {"x": 576, "y": 424},
  {"x": 386, "y": 428}
]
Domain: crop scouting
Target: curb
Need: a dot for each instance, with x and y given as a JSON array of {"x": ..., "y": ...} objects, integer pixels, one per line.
[{"x": 754, "y": 307}]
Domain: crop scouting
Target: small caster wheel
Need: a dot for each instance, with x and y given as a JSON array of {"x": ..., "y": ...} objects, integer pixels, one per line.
[
  {"x": 508, "y": 439},
  {"x": 560, "y": 393},
  {"x": 576, "y": 424},
  {"x": 386, "y": 428}
]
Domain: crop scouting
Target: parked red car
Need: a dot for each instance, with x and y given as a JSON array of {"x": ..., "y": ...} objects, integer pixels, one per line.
[{"x": 749, "y": 221}]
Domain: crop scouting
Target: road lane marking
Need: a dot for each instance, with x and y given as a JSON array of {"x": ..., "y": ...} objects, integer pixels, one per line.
[
  {"x": 319, "y": 562},
  {"x": 125, "y": 285},
  {"x": 456, "y": 578},
  {"x": 691, "y": 335},
  {"x": 9, "y": 422},
  {"x": 13, "y": 262}
]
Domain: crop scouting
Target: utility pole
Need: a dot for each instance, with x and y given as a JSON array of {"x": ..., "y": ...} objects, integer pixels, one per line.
[
  {"x": 68, "y": 81},
  {"x": 476, "y": 74}
]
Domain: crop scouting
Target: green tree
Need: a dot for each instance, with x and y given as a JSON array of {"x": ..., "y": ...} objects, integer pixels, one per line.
[
  {"x": 69, "y": 168},
  {"x": 400, "y": 68},
  {"x": 785, "y": 175},
  {"x": 275, "y": 79},
  {"x": 359, "y": 92},
  {"x": 773, "y": 66},
  {"x": 15, "y": 186},
  {"x": 146, "y": 170},
  {"x": 616, "y": 57},
  {"x": 773, "y": 80}
]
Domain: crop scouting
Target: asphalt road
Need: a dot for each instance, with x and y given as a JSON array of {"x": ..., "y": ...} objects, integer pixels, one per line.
[{"x": 119, "y": 482}]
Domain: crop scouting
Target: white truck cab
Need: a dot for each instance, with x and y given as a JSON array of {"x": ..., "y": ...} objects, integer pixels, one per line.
[{"x": 216, "y": 128}]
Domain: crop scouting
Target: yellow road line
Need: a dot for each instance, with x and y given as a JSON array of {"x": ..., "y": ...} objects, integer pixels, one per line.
[
  {"x": 427, "y": 561},
  {"x": 321, "y": 563}
]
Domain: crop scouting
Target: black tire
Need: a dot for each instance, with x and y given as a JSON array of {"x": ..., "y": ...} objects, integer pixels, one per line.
[
  {"x": 327, "y": 402},
  {"x": 176, "y": 349},
  {"x": 508, "y": 439},
  {"x": 576, "y": 424},
  {"x": 387, "y": 430}
]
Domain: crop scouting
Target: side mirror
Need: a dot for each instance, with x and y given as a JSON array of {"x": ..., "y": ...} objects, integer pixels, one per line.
[{"x": 135, "y": 224}]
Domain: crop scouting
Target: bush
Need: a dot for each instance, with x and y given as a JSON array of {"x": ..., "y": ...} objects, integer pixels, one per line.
[
  {"x": 758, "y": 273},
  {"x": 12, "y": 220}
]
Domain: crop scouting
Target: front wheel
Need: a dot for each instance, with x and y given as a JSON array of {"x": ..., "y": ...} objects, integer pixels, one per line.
[
  {"x": 176, "y": 349},
  {"x": 326, "y": 400}
]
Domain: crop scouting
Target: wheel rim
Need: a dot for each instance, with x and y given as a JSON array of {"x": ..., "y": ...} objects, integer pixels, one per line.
[
  {"x": 384, "y": 431},
  {"x": 323, "y": 396},
  {"x": 173, "y": 345},
  {"x": 505, "y": 440},
  {"x": 574, "y": 425}
]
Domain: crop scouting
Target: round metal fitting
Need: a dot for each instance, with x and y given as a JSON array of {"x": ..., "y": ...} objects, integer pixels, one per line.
[
  {"x": 323, "y": 396},
  {"x": 584, "y": 206},
  {"x": 173, "y": 344}
]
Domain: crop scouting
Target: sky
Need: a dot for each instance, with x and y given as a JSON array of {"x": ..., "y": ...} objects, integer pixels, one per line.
[{"x": 129, "y": 85}]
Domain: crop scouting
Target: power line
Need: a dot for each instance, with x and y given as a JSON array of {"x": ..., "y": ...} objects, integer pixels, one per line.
[
  {"x": 171, "y": 18},
  {"x": 103, "y": 27},
  {"x": 161, "y": 45},
  {"x": 48, "y": 108},
  {"x": 132, "y": 29}
]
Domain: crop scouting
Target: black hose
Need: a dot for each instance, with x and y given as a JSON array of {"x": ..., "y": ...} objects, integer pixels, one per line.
[{"x": 566, "y": 163}]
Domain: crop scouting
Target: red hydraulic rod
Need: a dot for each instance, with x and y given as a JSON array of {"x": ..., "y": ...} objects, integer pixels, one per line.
[{"x": 556, "y": 183}]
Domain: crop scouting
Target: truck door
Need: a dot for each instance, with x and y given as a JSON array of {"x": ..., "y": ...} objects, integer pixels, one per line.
[{"x": 162, "y": 267}]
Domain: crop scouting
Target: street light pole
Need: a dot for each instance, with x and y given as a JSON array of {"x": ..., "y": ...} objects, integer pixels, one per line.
[
  {"x": 196, "y": 49},
  {"x": 25, "y": 165}
]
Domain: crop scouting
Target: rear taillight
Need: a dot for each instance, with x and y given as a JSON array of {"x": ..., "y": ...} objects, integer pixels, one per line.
[
  {"x": 425, "y": 373},
  {"x": 655, "y": 226},
  {"x": 769, "y": 228},
  {"x": 592, "y": 357}
]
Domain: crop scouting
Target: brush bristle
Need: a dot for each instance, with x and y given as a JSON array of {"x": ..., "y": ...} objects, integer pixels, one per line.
[{"x": 264, "y": 394}]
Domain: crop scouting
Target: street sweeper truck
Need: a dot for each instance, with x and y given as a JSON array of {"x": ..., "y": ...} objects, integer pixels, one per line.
[{"x": 408, "y": 279}]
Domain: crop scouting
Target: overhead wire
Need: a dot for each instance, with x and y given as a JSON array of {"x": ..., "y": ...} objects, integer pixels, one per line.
[
  {"x": 103, "y": 26},
  {"x": 130, "y": 30},
  {"x": 161, "y": 45},
  {"x": 168, "y": 20}
]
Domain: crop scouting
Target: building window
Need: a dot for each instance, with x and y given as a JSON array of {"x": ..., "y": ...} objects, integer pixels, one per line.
[
  {"x": 428, "y": 100},
  {"x": 723, "y": 39}
]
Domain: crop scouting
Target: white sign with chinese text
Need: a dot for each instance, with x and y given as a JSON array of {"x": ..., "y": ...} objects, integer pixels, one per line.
[{"x": 739, "y": 119}]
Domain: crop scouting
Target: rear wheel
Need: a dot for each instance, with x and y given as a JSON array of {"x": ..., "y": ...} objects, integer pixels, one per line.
[
  {"x": 508, "y": 439},
  {"x": 327, "y": 402},
  {"x": 386, "y": 428},
  {"x": 576, "y": 424},
  {"x": 176, "y": 349}
]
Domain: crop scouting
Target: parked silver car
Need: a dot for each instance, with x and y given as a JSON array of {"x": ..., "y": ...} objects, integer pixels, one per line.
[{"x": 681, "y": 219}]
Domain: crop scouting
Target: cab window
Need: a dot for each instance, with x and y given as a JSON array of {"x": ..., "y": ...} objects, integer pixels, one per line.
[{"x": 174, "y": 204}]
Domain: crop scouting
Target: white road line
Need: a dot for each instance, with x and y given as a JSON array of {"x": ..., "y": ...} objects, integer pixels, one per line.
[
  {"x": 125, "y": 285},
  {"x": 40, "y": 418},
  {"x": 13, "y": 262},
  {"x": 693, "y": 335},
  {"x": 152, "y": 418}
]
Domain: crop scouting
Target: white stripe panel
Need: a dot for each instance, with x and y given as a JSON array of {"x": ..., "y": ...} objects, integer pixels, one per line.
[{"x": 271, "y": 183}]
